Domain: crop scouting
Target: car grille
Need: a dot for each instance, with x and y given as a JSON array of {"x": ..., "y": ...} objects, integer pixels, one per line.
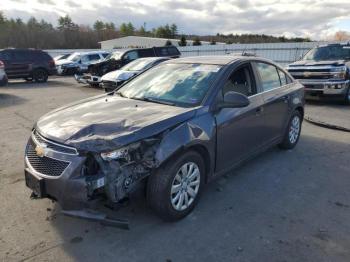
[
  {"x": 54, "y": 146},
  {"x": 44, "y": 165},
  {"x": 311, "y": 73}
]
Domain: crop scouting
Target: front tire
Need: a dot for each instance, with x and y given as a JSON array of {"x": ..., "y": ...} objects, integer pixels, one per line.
[
  {"x": 40, "y": 76},
  {"x": 174, "y": 189},
  {"x": 347, "y": 97},
  {"x": 291, "y": 137}
]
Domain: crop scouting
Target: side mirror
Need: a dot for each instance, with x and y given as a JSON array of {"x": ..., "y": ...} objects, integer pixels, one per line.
[{"x": 234, "y": 100}]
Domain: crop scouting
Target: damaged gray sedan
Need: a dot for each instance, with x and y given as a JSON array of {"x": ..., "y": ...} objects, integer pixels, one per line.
[{"x": 173, "y": 128}]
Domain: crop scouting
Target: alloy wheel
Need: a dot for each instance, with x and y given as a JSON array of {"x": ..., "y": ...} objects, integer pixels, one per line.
[
  {"x": 185, "y": 186},
  {"x": 294, "y": 130}
]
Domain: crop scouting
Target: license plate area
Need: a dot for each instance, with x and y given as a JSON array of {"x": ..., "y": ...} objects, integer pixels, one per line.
[{"x": 35, "y": 183}]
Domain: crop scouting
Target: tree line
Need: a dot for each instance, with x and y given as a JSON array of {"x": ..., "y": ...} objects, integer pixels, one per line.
[{"x": 68, "y": 35}]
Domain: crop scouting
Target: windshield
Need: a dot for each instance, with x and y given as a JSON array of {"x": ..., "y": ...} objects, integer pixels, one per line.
[
  {"x": 114, "y": 55},
  {"x": 177, "y": 84},
  {"x": 337, "y": 52},
  {"x": 138, "y": 65},
  {"x": 74, "y": 57}
]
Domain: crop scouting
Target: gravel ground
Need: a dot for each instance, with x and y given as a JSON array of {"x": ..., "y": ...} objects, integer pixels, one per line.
[{"x": 281, "y": 206}]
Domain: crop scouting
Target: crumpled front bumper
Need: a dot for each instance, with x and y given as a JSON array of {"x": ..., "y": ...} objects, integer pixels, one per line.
[
  {"x": 68, "y": 187},
  {"x": 87, "y": 79}
]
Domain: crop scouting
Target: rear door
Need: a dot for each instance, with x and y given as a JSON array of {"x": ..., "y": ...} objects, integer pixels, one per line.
[
  {"x": 20, "y": 63},
  {"x": 239, "y": 130},
  {"x": 274, "y": 87}
]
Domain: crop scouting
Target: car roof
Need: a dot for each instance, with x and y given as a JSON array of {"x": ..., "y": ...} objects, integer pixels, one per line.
[
  {"x": 152, "y": 58},
  {"x": 216, "y": 59},
  {"x": 90, "y": 52}
]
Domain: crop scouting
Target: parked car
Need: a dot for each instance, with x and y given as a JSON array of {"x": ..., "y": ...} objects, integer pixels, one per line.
[
  {"x": 118, "y": 59},
  {"x": 61, "y": 57},
  {"x": 79, "y": 62},
  {"x": 30, "y": 64},
  {"x": 174, "y": 127},
  {"x": 324, "y": 71},
  {"x": 114, "y": 79},
  {"x": 3, "y": 76}
]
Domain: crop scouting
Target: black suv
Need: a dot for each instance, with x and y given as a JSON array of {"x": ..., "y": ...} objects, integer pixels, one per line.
[
  {"x": 30, "y": 64},
  {"x": 119, "y": 58}
]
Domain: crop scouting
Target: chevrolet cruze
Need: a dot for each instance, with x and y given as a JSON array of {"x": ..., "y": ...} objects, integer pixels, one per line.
[{"x": 174, "y": 127}]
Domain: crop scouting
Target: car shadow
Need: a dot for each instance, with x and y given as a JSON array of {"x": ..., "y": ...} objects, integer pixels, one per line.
[
  {"x": 17, "y": 84},
  {"x": 324, "y": 101},
  {"x": 264, "y": 202},
  {"x": 7, "y": 100}
]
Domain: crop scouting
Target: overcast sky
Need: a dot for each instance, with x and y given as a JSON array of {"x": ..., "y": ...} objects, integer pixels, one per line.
[{"x": 316, "y": 19}]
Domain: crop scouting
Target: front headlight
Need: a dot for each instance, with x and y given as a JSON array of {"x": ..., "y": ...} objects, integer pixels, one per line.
[
  {"x": 122, "y": 153},
  {"x": 339, "y": 72}
]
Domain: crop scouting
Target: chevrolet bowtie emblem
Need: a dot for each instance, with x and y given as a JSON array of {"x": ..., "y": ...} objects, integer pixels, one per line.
[
  {"x": 40, "y": 151},
  {"x": 307, "y": 74}
]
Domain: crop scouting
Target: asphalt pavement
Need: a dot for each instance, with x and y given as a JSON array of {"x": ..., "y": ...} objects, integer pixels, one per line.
[{"x": 281, "y": 206}]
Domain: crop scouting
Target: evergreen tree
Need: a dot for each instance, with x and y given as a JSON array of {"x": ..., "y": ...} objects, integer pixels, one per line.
[
  {"x": 197, "y": 42},
  {"x": 183, "y": 41}
]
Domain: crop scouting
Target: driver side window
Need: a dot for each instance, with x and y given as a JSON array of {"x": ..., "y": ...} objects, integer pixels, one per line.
[{"x": 240, "y": 81}]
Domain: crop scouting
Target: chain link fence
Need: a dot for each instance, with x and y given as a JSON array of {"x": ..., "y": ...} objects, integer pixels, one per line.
[{"x": 282, "y": 53}]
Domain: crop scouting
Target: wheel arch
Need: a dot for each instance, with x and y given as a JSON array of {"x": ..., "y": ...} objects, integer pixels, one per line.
[
  {"x": 300, "y": 109},
  {"x": 39, "y": 68}
]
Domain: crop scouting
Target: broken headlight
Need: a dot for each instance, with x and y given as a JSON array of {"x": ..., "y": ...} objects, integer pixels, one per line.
[{"x": 122, "y": 153}]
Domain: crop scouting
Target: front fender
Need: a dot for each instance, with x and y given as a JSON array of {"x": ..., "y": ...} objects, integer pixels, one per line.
[{"x": 197, "y": 132}]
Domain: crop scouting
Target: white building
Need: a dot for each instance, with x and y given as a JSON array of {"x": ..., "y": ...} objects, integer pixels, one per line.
[{"x": 141, "y": 41}]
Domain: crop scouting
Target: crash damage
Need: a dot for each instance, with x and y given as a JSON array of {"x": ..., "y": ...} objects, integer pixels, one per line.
[{"x": 113, "y": 159}]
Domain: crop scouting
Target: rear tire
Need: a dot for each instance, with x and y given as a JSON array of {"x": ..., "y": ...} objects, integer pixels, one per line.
[
  {"x": 292, "y": 134},
  {"x": 174, "y": 189},
  {"x": 40, "y": 75}
]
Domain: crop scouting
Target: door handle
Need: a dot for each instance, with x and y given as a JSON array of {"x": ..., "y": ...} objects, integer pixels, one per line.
[
  {"x": 259, "y": 110},
  {"x": 286, "y": 98}
]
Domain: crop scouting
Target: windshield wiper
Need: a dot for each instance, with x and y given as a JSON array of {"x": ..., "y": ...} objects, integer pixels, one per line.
[
  {"x": 153, "y": 100},
  {"x": 120, "y": 94}
]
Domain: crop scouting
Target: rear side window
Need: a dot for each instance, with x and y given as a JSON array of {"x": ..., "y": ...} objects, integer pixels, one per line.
[
  {"x": 283, "y": 77},
  {"x": 105, "y": 55},
  {"x": 268, "y": 75},
  {"x": 44, "y": 55},
  {"x": 146, "y": 52},
  {"x": 173, "y": 51},
  {"x": 93, "y": 57},
  {"x": 4, "y": 55}
]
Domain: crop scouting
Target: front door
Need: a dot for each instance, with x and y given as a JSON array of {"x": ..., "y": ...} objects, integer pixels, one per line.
[{"x": 239, "y": 130}]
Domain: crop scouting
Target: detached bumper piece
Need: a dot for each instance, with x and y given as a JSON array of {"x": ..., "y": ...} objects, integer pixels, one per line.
[
  {"x": 97, "y": 216},
  {"x": 87, "y": 79}
]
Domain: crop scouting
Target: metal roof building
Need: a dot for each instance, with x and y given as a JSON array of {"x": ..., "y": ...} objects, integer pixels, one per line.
[{"x": 141, "y": 41}]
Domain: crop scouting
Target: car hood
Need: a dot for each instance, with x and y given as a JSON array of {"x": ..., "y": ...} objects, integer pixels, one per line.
[
  {"x": 64, "y": 62},
  {"x": 318, "y": 63},
  {"x": 108, "y": 122},
  {"x": 120, "y": 75}
]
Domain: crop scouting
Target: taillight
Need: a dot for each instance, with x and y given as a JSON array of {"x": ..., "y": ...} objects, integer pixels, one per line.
[
  {"x": 52, "y": 63},
  {"x": 2, "y": 65}
]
